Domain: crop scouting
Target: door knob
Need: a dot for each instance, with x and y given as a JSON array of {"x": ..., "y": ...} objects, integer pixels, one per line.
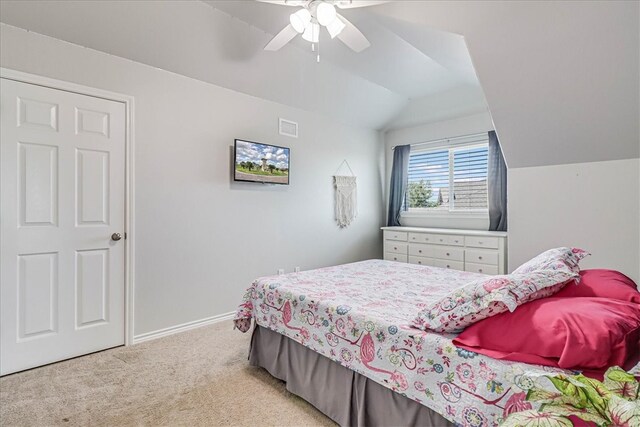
[{"x": 116, "y": 236}]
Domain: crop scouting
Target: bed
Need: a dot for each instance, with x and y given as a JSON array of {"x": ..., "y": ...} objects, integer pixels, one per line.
[{"x": 341, "y": 338}]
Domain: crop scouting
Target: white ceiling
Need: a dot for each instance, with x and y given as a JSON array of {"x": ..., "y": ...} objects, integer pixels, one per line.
[
  {"x": 221, "y": 42},
  {"x": 410, "y": 60},
  {"x": 561, "y": 78},
  {"x": 191, "y": 38}
]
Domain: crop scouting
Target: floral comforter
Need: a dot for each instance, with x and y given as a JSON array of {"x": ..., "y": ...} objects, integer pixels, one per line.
[{"x": 359, "y": 315}]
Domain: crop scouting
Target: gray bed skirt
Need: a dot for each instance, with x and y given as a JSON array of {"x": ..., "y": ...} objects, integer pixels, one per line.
[{"x": 348, "y": 398}]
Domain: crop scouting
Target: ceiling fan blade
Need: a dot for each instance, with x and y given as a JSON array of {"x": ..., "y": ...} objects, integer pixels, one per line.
[
  {"x": 282, "y": 38},
  {"x": 352, "y": 37},
  {"x": 350, "y": 4},
  {"x": 295, "y": 3}
]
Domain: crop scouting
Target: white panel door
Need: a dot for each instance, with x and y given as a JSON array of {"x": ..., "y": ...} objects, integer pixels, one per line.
[{"x": 62, "y": 188}]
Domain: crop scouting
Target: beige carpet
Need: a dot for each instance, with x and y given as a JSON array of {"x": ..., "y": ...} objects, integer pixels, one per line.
[{"x": 199, "y": 377}]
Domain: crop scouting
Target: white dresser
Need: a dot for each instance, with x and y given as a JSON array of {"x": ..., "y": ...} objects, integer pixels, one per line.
[{"x": 467, "y": 250}]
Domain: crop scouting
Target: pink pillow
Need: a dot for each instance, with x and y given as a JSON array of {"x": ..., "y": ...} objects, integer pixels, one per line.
[
  {"x": 554, "y": 259},
  {"x": 489, "y": 296},
  {"x": 587, "y": 333},
  {"x": 602, "y": 283}
]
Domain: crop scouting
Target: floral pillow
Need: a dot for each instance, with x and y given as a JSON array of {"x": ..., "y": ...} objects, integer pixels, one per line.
[
  {"x": 555, "y": 259},
  {"x": 487, "y": 297}
]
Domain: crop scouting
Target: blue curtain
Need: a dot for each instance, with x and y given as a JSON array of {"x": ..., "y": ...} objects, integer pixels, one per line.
[
  {"x": 398, "y": 185},
  {"x": 497, "y": 170}
]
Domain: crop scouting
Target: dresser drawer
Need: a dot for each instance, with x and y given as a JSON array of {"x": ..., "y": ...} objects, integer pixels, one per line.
[
  {"x": 395, "y": 247},
  {"x": 395, "y": 235},
  {"x": 482, "y": 242},
  {"x": 480, "y": 268},
  {"x": 454, "y": 265},
  {"x": 420, "y": 260},
  {"x": 448, "y": 253},
  {"x": 440, "y": 239},
  {"x": 419, "y": 249},
  {"x": 478, "y": 256},
  {"x": 443, "y": 239},
  {"x": 395, "y": 257},
  {"x": 421, "y": 238}
]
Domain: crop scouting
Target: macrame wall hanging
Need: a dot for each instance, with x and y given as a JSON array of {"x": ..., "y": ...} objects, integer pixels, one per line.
[{"x": 346, "y": 203}]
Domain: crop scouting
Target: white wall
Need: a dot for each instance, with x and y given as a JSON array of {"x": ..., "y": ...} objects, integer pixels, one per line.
[
  {"x": 595, "y": 206},
  {"x": 410, "y": 135},
  {"x": 200, "y": 239}
]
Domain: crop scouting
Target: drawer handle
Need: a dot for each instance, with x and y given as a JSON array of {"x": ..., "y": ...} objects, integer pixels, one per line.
[
  {"x": 395, "y": 259},
  {"x": 448, "y": 254},
  {"x": 479, "y": 257},
  {"x": 480, "y": 242},
  {"x": 448, "y": 266},
  {"x": 395, "y": 248},
  {"x": 442, "y": 240},
  {"x": 479, "y": 270},
  {"x": 419, "y": 251},
  {"x": 419, "y": 262}
]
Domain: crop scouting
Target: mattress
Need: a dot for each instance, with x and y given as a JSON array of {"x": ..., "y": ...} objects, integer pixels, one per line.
[{"x": 359, "y": 315}]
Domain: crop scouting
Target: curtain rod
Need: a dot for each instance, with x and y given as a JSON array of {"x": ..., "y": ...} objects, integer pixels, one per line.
[{"x": 447, "y": 139}]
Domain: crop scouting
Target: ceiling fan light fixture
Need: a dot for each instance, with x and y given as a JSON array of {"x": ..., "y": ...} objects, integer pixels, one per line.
[
  {"x": 335, "y": 27},
  {"x": 300, "y": 20},
  {"x": 326, "y": 14},
  {"x": 311, "y": 15},
  {"x": 312, "y": 33}
]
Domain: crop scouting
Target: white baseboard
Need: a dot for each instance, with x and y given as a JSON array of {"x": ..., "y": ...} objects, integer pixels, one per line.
[{"x": 148, "y": 336}]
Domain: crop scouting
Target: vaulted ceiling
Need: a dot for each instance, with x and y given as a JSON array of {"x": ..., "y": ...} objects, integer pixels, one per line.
[
  {"x": 410, "y": 60},
  {"x": 221, "y": 42},
  {"x": 560, "y": 78}
]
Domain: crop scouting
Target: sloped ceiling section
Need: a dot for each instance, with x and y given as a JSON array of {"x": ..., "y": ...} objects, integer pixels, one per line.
[
  {"x": 198, "y": 41},
  {"x": 461, "y": 101},
  {"x": 561, "y": 78}
]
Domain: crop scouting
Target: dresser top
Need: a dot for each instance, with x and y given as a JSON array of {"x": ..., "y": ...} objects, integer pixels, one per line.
[{"x": 448, "y": 231}]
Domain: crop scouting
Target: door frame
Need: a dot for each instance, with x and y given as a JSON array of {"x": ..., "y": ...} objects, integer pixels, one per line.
[{"x": 129, "y": 221}]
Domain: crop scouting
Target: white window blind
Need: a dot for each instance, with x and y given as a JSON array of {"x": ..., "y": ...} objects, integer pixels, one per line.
[{"x": 448, "y": 179}]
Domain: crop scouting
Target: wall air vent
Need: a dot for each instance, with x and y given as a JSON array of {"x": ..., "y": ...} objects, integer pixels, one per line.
[{"x": 288, "y": 128}]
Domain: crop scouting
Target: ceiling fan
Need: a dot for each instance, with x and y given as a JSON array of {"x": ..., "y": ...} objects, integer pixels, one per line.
[{"x": 316, "y": 14}]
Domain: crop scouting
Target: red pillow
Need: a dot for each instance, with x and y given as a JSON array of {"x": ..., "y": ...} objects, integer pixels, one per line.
[
  {"x": 602, "y": 283},
  {"x": 585, "y": 333}
]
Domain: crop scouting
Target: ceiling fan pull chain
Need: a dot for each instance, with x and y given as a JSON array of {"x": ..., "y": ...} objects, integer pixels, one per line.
[{"x": 313, "y": 37}]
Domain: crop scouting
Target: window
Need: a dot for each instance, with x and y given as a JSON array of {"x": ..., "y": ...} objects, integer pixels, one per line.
[{"x": 448, "y": 179}]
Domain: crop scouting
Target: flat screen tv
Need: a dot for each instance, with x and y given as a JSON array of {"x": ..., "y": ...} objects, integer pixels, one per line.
[{"x": 263, "y": 163}]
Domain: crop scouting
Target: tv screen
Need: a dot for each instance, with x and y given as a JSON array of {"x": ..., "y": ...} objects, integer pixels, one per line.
[{"x": 264, "y": 163}]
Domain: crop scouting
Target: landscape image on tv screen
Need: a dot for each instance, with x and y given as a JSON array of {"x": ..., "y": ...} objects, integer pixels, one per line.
[{"x": 255, "y": 162}]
